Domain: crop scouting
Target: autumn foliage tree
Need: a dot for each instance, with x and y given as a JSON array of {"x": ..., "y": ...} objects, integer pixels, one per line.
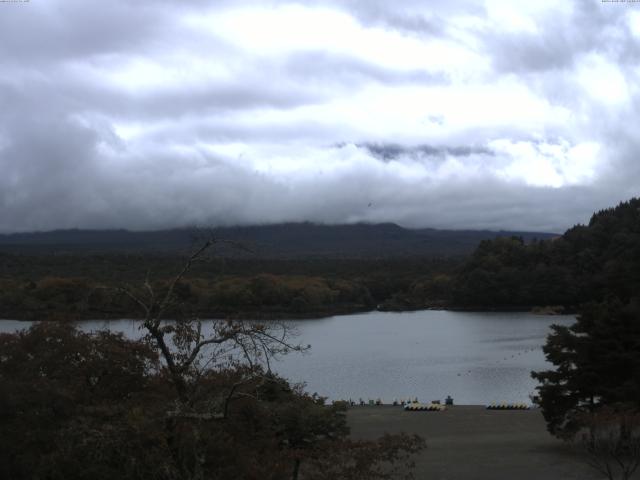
[{"x": 67, "y": 397}]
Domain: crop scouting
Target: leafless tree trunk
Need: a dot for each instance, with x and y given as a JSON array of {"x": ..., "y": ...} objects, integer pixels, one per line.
[{"x": 189, "y": 352}]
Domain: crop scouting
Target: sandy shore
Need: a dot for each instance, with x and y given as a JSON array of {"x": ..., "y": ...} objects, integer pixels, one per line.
[{"x": 469, "y": 442}]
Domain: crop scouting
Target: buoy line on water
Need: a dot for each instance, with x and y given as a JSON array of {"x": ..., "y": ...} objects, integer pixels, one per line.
[{"x": 496, "y": 362}]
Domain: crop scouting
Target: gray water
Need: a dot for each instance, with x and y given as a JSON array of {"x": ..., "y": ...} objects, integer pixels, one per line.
[{"x": 476, "y": 357}]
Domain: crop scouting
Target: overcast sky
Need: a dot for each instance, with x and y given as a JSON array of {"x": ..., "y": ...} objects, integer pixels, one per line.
[{"x": 449, "y": 114}]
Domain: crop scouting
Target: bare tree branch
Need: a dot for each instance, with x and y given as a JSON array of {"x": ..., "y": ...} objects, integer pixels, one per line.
[
  {"x": 612, "y": 441},
  {"x": 182, "y": 343}
]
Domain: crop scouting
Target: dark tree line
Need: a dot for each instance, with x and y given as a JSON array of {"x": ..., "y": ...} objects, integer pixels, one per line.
[
  {"x": 597, "y": 363},
  {"x": 77, "y": 286},
  {"x": 592, "y": 394},
  {"x": 587, "y": 263}
]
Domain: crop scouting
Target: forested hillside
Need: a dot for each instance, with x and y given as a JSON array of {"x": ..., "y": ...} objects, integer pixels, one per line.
[
  {"x": 588, "y": 263},
  {"x": 86, "y": 286},
  {"x": 299, "y": 270}
]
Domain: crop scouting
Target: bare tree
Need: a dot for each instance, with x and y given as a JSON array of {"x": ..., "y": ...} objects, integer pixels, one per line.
[
  {"x": 192, "y": 349},
  {"x": 611, "y": 439},
  {"x": 212, "y": 363},
  {"x": 188, "y": 349}
]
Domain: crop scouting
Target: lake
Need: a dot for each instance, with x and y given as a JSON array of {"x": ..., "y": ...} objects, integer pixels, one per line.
[{"x": 476, "y": 357}]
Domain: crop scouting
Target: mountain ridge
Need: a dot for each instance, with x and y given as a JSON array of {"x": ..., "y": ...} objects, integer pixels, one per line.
[{"x": 304, "y": 239}]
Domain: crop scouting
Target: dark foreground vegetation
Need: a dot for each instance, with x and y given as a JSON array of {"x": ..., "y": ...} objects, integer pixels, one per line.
[
  {"x": 592, "y": 395},
  {"x": 188, "y": 401},
  {"x": 80, "y": 406}
]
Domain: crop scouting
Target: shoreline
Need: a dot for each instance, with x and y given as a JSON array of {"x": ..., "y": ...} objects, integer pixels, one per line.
[{"x": 262, "y": 315}]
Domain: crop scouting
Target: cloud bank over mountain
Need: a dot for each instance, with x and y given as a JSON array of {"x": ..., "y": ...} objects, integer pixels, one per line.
[{"x": 471, "y": 114}]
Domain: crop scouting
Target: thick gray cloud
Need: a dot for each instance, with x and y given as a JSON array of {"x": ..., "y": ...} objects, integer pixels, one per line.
[
  {"x": 49, "y": 32},
  {"x": 386, "y": 151},
  {"x": 478, "y": 114}
]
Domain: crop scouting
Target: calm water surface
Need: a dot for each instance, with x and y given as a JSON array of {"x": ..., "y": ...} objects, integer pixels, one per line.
[{"x": 477, "y": 358}]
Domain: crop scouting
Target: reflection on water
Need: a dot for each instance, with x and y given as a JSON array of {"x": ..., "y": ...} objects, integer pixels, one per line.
[{"x": 477, "y": 358}]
